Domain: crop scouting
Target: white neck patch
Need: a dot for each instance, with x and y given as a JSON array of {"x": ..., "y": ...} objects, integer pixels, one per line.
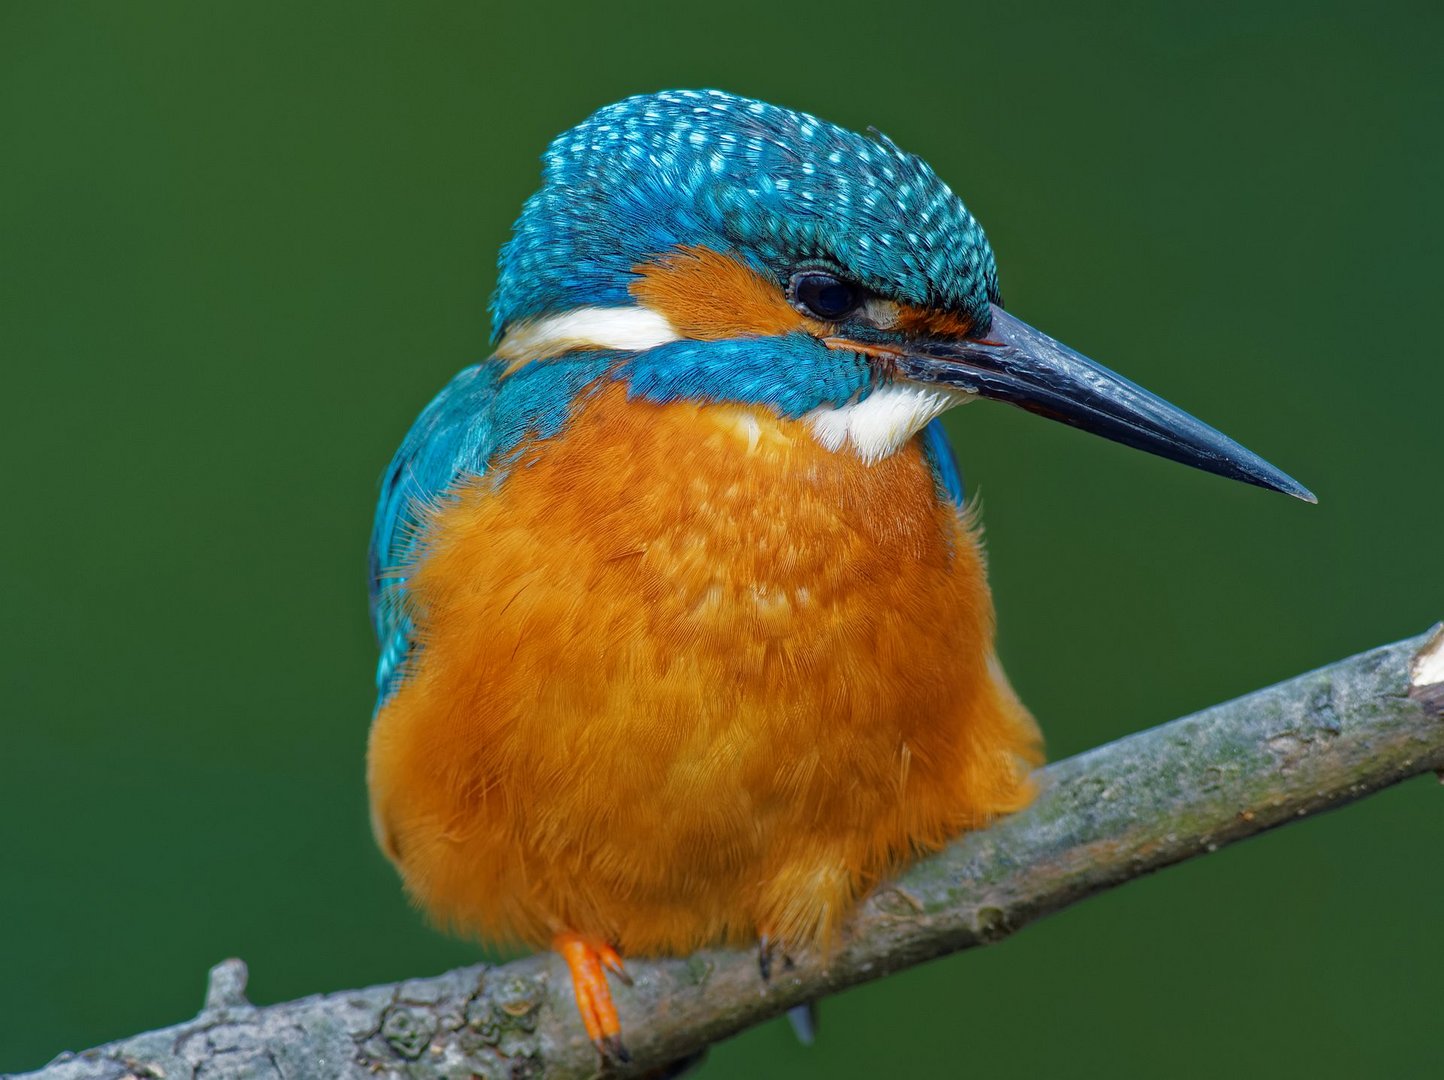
[
  {"x": 882, "y": 422},
  {"x": 629, "y": 329},
  {"x": 875, "y": 427}
]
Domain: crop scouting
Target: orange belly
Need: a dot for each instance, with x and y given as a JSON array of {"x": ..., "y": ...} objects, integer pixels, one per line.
[{"x": 686, "y": 676}]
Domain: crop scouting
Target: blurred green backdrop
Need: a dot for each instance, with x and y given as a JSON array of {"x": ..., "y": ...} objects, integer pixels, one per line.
[{"x": 242, "y": 244}]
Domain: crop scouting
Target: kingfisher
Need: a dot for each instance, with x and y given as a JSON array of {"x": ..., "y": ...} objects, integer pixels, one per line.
[{"x": 685, "y": 633}]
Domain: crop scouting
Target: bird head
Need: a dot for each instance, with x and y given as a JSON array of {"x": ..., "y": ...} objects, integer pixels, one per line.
[{"x": 737, "y": 251}]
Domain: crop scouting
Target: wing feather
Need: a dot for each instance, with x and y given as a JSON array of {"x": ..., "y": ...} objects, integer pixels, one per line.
[{"x": 474, "y": 426}]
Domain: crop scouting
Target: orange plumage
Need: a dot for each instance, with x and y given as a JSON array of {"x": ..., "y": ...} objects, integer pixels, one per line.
[{"x": 687, "y": 677}]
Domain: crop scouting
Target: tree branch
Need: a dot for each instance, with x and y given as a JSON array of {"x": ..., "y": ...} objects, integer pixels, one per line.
[{"x": 1103, "y": 818}]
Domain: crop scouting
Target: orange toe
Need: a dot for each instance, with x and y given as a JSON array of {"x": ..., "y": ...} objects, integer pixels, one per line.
[
  {"x": 589, "y": 960},
  {"x": 612, "y": 961}
]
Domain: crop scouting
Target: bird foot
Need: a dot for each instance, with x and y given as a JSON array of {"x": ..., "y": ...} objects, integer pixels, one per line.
[
  {"x": 589, "y": 960},
  {"x": 768, "y": 950}
]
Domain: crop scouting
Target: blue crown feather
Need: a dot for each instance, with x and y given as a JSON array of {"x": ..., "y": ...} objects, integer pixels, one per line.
[{"x": 775, "y": 187}]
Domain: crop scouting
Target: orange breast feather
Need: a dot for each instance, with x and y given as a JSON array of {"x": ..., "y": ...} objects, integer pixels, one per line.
[{"x": 687, "y": 676}]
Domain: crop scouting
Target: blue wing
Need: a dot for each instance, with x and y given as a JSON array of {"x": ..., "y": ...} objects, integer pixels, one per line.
[
  {"x": 448, "y": 440},
  {"x": 475, "y": 425},
  {"x": 944, "y": 463}
]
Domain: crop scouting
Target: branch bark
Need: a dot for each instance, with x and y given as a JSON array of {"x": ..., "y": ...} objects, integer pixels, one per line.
[{"x": 1104, "y": 817}]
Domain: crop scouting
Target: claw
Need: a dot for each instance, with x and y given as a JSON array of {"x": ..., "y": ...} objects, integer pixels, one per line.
[
  {"x": 612, "y": 1050},
  {"x": 768, "y": 950},
  {"x": 589, "y": 961},
  {"x": 612, "y": 961}
]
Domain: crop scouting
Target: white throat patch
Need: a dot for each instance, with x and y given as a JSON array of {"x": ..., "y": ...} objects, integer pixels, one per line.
[{"x": 882, "y": 422}]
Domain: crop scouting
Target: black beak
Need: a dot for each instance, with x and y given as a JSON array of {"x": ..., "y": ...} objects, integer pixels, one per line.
[{"x": 1027, "y": 368}]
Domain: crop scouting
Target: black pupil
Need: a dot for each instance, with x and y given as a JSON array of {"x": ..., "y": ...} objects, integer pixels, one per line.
[{"x": 827, "y": 297}]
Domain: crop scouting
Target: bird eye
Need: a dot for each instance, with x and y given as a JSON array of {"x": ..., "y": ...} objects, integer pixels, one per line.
[{"x": 823, "y": 296}]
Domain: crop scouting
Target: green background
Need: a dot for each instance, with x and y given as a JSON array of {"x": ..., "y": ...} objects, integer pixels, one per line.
[{"x": 241, "y": 245}]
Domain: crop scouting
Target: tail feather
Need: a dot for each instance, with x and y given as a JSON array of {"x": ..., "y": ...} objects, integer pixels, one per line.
[{"x": 803, "y": 1019}]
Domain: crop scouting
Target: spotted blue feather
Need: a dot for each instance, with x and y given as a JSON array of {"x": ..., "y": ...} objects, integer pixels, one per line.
[{"x": 774, "y": 187}]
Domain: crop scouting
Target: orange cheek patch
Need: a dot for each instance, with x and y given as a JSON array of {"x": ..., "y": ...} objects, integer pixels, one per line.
[
  {"x": 929, "y": 322},
  {"x": 711, "y": 296}
]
